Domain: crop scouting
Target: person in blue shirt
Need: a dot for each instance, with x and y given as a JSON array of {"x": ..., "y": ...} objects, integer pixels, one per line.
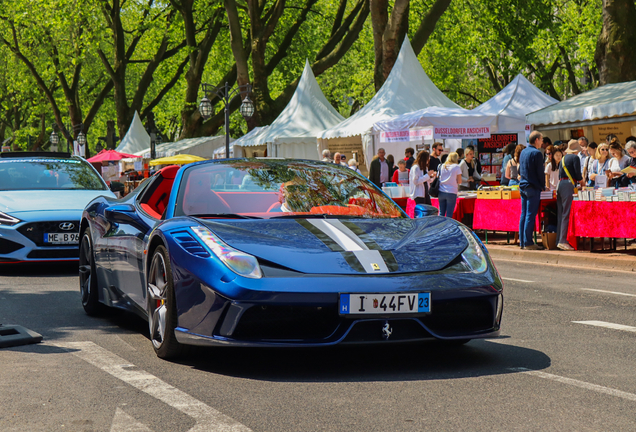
[{"x": 531, "y": 184}]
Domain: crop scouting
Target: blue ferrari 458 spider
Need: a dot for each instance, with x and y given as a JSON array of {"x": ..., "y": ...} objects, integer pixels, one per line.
[
  {"x": 42, "y": 197},
  {"x": 276, "y": 252}
]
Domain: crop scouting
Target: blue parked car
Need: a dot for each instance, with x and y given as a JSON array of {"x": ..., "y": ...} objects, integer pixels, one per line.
[
  {"x": 276, "y": 252},
  {"x": 42, "y": 196}
]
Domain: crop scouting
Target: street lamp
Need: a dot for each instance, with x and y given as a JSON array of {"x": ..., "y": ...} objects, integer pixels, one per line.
[
  {"x": 226, "y": 94},
  {"x": 55, "y": 138}
]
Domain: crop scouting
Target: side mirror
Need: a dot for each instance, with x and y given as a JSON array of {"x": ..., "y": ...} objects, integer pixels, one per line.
[
  {"x": 116, "y": 186},
  {"x": 422, "y": 210},
  {"x": 121, "y": 213}
]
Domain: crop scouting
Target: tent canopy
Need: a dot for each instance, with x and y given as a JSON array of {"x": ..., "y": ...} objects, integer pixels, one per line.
[
  {"x": 203, "y": 147},
  {"x": 109, "y": 155},
  {"x": 406, "y": 89},
  {"x": 610, "y": 100},
  {"x": 513, "y": 103},
  {"x": 435, "y": 116},
  {"x": 136, "y": 139},
  {"x": 294, "y": 132},
  {"x": 180, "y": 159}
]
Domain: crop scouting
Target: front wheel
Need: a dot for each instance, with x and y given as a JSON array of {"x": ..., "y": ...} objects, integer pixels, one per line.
[
  {"x": 162, "y": 311},
  {"x": 88, "y": 277}
]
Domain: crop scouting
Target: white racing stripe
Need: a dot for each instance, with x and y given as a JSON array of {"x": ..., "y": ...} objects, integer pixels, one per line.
[
  {"x": 517, "y": 280},
  {"x": 577, "y": 383},
  {"x": 340, "y": 237},
  {"x": 609, "y": 292},
  {"x": 608, "y": 325},
  {"x": 207, "y": 418}
]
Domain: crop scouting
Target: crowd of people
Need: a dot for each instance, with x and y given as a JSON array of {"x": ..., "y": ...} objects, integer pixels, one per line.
[{"x": 564, "y": 168}]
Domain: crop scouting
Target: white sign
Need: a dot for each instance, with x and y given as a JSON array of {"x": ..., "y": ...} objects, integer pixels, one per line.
[
  {"x": 406, "y": 135},
  {"x": 588, "y": 112},
  {"x": 466, "y": 132}
]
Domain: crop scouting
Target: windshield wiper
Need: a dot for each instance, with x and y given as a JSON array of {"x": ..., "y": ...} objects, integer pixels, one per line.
[
  {"x": 224, "y": 215},
  {"x": 316, "y": 216}
]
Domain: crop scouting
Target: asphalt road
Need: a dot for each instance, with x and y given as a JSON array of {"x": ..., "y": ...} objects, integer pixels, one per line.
[{"x": 548, "y": 372}]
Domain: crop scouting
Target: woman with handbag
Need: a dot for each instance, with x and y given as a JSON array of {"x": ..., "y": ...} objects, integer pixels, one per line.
[
  {"x": 450, "y": 177},
  {"x": 570, "y": 175},
  {"x": 420, "y": 179}
]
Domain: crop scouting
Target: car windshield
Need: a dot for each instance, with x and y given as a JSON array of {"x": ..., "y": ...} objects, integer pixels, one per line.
[
  {"x": 48, "y": 174},
  {"x": 275, "y": 188}
]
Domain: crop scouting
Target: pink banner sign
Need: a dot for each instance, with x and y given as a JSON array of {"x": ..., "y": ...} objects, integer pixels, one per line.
[
  {"x": 406, "y": 135},
  {"x": 464, "y": 132}
]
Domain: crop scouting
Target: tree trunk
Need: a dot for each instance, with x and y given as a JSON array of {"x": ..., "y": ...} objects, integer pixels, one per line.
[
  {"x": 615, "y": 56},
  {"x": 389, "y": 32}
]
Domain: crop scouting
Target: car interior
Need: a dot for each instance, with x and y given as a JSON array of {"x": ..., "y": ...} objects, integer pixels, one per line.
[{"x": 154, "y": 199}]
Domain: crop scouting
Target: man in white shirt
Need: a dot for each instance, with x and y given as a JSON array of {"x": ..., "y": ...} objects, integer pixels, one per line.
[{"x": 583, "y": 142}]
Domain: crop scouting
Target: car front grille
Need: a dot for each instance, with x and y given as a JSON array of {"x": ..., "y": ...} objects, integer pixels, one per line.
[
  {"x": 287, "y": 323},
  {"x": 34, "y": 231},
  {"x": 8, "y": 246},
  {"x": 400, "y": 330},
  {"x": 54, "y": 253},
  {"x": 461, "y": 317}
]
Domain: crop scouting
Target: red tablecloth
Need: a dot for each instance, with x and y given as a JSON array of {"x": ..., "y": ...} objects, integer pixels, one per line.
[
  {"x": 402, "y": 202},
  {"x": 463, "y": 206},
  {"x": 503, "y": 214},
  {"x": 601, "y": 219}
]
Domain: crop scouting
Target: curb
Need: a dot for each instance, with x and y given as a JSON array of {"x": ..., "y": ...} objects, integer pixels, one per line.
[{"x": 616, "y": 262}]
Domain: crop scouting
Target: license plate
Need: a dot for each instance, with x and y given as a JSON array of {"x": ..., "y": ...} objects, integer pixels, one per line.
[
  {"x": 385, "y": 304},
  {"x": 61, "y": 238}
]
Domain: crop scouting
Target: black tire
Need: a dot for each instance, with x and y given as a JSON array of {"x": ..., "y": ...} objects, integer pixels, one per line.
[
  {"x": 161, "y": 306},
  {"x": 88, "y": 277}
]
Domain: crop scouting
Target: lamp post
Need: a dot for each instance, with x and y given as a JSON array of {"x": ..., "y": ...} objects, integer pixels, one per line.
[
  {"x": 55, "y": 138},
  {"x": 226, "y": 94}
]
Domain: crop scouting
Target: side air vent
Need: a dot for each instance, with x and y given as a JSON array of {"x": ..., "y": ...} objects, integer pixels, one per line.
[{"x": 189, "y": 243}]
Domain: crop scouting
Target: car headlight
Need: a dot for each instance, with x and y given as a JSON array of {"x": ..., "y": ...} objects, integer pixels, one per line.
[
  {"x": 473, "y": 259},
  {"x": 239, "y": 262},
  {"x": 5, "y": 219},
  {"x": 474, "y": 254}
]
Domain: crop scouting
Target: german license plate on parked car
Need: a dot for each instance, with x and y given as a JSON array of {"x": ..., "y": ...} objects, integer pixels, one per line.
[
  {"x": 61, "y": 238},
  {"x": 398, "y": 303}
]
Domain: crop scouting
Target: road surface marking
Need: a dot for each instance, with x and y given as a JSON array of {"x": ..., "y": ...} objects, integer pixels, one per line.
[
  {"x": 207, "y": 418},
  {"x": 122, "y": 422},
  {"x": 517, "y": 280},
  {"x": 608, "y": 325},
  {"x": 609, "y": 292},
  {"x": 577, "y": 383}
]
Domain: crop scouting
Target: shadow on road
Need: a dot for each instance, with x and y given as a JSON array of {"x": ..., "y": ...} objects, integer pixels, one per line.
[
  {"x": 53, "y": 270},
  {"x": 396, "y": 362}
]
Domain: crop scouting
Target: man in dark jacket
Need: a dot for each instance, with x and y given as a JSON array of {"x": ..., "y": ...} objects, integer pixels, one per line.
[
  {"x": 379, "y": 169},
  {"x": 531, "y": 185},
  {"x": 408, "y": 157},
  {"x": 436, "y": 152}
]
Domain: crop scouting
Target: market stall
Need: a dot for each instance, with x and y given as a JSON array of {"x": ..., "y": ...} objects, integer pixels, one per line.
[
  {"x": 465, "y": 206},
  {"x": 603, "y": 219},
  {"x": 609, "y": 109},
  {"x": 294, "y": 132},
  {"x": 109, "y": 164},
  {"x": 406, "y": 89}
]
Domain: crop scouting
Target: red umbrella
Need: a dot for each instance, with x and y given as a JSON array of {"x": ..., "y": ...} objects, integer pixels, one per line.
[{"x": 110, "y": 155}]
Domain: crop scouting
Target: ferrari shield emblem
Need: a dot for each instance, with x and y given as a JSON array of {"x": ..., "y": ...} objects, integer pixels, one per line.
[{"x": 375, "y": 266}]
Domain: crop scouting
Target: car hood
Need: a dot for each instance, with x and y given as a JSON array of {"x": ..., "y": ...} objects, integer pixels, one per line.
[
  {"x": 347, "y": 246},
  {"x": 13, "y": 202}
]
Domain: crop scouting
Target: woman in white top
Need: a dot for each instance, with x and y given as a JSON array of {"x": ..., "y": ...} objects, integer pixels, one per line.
[
  {"x": 552, "y": 169},
  {"x": 469, "y": 171},
  {"x": 601, "y": 164},
  {"x": 420, "y": 179},
  {"x": 618, "y": 162},
  {"x": 450, "y": 177}
]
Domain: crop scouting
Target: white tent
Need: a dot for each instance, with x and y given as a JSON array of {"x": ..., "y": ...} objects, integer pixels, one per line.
[
  {"x": 249, "y": 137},
  {"x": 406, "y": 89},
  {"x": 293, "y": 133},
  {"x": 443, "y": 118},
  {"x": 204, "y": 147},
  {"x": 136, "y": 139},
  {"x": 513, "y": 103}
]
